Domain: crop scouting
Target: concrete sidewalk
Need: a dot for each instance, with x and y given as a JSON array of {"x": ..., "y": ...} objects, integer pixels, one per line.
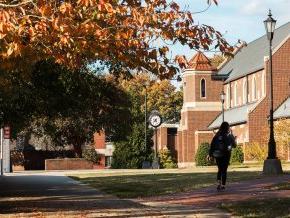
[{"x": 51, "y": 194}]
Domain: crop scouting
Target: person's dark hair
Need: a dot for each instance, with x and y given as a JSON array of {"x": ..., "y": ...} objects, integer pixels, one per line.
[{"x": 224, "y": 128}]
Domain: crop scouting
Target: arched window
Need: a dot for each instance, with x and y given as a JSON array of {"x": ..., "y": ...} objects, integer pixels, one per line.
[
  {"x": 236, "y": 94},
  {"x": 263, "y": 83},
  {"x": 245, "y": 92},
  {"x": 202, "y": 88},
  {"x": 254, "y": 89},
  {"x": 228, "y": 96}
]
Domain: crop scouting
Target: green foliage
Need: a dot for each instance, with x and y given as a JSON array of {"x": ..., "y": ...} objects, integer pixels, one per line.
[
  {"x": 90, "y": 154},
  {"x": 131, "y": 153},
  {"x": 166, "y": 159},
  {"x": 237, "y": 155},
  {"x": 201, "y": 155},
  {"x": 68, "y": 106}
]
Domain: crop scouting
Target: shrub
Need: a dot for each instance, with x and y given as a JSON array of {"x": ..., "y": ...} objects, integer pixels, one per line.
[
  {"x": 132, "y": 152},
  {"x": 201, "y": 155},
  {"x": 166, "y": 159},
  {"x": 17, "y": 158},
  {"x": 90, "y": 154},
  {"x": 256, "y": 151},
  {"x": 237, "y": 155}
]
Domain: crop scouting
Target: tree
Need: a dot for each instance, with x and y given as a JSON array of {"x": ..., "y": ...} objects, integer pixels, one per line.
[
  {"x": 282, "y": 137},
  {"x": 67, "y": 106},
  {"x": 216, "y": 60},
  {"x": 161, "y": 95},
  {"x": 131, "y": 152},
  {"x": 164, "y": 97},
  {"x": 121, "y": 34}
]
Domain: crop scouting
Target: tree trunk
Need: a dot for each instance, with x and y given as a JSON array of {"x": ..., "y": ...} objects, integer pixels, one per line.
[{"x": 78, "y": 150}]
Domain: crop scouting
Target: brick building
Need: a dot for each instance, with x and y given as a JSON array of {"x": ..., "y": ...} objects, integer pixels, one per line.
[
  {"x": 244, "y": 78},
  {"x": 104, "y": 148}
]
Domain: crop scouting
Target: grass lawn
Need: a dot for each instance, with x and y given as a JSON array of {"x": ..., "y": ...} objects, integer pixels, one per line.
[
  {"x": 266, "y": 208},
  {"x": 160, "y": 183}
]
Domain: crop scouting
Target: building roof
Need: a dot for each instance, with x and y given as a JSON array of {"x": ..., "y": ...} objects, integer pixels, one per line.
[
  {"x": 234, "y": 116},
  {"x": 283, "y": 110},
  {"x": 200, "y": 62},
  {"x": 250, "y": 58}
]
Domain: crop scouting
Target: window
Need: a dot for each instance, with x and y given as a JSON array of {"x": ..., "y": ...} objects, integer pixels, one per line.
[
  {"x": 236, "y": 94},
  {"x": 108, "y": 161},
  {"x": 202, "y": 88},
  {"x": 245, "y": 92},
  {"x": 228, "y": 96},
  {"x": 254, "y": 89},
  {"x": 263, "y": 83}
]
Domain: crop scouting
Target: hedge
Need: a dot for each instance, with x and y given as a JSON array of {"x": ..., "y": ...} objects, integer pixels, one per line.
[{"x": 201, "y": 155}]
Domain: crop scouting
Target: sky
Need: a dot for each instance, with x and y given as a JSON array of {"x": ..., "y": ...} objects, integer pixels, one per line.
[{"x": 236, "y": 19}]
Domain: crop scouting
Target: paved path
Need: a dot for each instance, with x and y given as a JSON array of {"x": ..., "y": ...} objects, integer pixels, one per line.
[
  {"x": 54, "y": 195},
  {"x": 210, "y": 198}
]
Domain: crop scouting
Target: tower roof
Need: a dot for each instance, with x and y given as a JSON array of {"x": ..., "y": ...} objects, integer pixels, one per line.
[{"x": 200, "y": 62}]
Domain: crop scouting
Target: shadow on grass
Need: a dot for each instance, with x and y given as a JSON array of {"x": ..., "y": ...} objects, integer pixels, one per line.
[
  {"x": 59, "y": 196},
  {"x": 138, "y": 186}
]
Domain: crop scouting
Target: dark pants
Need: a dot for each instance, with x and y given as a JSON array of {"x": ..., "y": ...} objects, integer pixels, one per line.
[{"x": 222, "y": 163}]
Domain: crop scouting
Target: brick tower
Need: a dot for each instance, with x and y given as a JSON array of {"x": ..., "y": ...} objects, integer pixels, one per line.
[{"x": 201, "y": 104}]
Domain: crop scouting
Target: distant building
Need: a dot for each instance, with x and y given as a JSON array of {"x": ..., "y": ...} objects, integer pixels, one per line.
[
  {"x": 104, "y": 148},
  {"x": 245, "y": 81}
]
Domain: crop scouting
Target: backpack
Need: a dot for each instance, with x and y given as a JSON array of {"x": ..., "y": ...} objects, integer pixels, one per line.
[{"x": 220, "y": 147}]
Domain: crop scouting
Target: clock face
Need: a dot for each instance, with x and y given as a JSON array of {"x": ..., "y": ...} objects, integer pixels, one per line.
[{"x": 155, "y": 120}]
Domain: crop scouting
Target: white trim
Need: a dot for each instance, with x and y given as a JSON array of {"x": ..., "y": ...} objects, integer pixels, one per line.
[
  {"x": 106, "y": 152},
  {"x": 193, "y": 73},
  {"x": 100, "y": 150},
  {"x": 201, "y": 132},
  {"x": 201, "y": 106},
  {"x": 169, "y": 125}
]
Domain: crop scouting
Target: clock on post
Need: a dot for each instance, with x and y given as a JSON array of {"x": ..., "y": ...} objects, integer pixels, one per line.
[{"x": 155, "y": 121}]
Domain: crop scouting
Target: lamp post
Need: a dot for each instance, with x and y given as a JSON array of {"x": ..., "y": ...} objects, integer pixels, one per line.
[
  {"x": 222, "y": 97},
  {"x": 1, "y": 142},
  {"x": 272, "y": 165},
  {"x": 145, "y": 121}
]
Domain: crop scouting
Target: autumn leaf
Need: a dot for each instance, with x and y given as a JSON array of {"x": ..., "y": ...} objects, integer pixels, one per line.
[{"x": 122, "y": 34}]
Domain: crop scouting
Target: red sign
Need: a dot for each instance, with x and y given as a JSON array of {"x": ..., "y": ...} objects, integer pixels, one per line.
[{"x": 6, "y": 133}]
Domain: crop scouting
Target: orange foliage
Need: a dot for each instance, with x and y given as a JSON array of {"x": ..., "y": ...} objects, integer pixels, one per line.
[{"x": 118, "y": 32}]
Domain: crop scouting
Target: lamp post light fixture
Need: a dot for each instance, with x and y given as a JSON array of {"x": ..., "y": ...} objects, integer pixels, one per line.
[
  {"x": 222, "y": 97},
  {"x": 272, "y": 165}
]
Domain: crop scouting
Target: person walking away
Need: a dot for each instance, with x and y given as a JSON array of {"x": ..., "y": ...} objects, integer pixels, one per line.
[{"x": 220, "y": 149}]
